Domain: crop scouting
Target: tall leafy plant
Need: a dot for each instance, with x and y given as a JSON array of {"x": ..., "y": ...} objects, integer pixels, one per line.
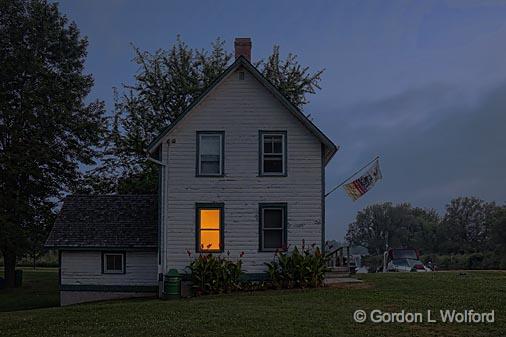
[
  {"x": 213, "y": 274},
  {"x": 304, "y": 268}
]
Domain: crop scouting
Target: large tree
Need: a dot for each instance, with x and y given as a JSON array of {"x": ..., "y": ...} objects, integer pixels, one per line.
[
  {"x": 467, "y": 222},
  {"x": 166, "y": 84},
  {"x": 47, "y": 130},
  {"x": 498, "y": 229},
  {"x": 380, "y": 225}
]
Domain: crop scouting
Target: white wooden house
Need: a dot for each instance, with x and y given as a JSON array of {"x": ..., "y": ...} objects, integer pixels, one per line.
[{"x": 241, "y": 170}]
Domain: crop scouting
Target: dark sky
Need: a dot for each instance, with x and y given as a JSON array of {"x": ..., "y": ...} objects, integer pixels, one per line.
[{"x": 420, "y": 83}]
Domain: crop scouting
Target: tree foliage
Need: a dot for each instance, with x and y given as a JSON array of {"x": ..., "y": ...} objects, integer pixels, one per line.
[
  {"x": 498, "y": 229},
  {"x": 381, "y": 225},
  {"x": 167, "y": 82},
  {"x": 469, "y": 225},
  {"x": 294, "y": 81},
  {"x": 467, "y": 221},
  {"x": 46, "y": 129}
]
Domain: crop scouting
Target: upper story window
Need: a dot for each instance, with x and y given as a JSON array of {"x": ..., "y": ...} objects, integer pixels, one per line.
[
  {"x": 210, "y": 153},
  {"x": 272, "y": 153},
  {"x": 113, "y": 263}
]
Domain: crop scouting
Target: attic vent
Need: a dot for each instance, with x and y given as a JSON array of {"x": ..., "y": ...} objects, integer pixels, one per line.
[{"x": 241, "y": 75}]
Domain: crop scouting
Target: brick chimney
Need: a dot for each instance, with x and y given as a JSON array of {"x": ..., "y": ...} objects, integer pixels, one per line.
[{"x": 243, "y": 47}]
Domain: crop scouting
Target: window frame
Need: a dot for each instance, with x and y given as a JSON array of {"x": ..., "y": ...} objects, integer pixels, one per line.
[
  {"x": 284, "y": 153},
  {"x": 104, "y": 262},
  {"x": 284, "y": 232},
  {"x": 222, "y": 154},
  {"x": 198, "y": 207}
]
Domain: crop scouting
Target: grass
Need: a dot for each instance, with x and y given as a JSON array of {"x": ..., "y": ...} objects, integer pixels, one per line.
[
  {"x": 315, "y": 312},
  {"x": 39, "y": 290}
]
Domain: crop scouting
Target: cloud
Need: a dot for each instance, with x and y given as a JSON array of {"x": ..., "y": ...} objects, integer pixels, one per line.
[
  {"x": 411, "y": 108},
  {"x": 449, "y": 144}
]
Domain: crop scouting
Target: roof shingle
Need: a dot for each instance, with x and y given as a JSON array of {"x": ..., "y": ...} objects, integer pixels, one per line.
[{"x": 106, "y": 221}]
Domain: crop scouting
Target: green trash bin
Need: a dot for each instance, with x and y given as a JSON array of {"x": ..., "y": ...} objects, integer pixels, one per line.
[
  {"x": 18, "y": 278},
  {"x": 172, "y": 285}
]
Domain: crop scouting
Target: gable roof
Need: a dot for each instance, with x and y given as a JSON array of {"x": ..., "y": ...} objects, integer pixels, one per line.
[
  {"x": 106, "y": 221},
  {"x": 330, "y": 147}
]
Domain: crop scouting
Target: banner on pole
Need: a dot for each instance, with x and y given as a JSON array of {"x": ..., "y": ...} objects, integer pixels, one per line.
[{"x": 360, "y": 186}]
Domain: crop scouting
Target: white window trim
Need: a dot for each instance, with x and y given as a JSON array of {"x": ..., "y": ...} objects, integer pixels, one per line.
[
  {"x": 283, "y": 154},
  {"x": 113, "y": 271},
  {"x": 199, "y": 155}
]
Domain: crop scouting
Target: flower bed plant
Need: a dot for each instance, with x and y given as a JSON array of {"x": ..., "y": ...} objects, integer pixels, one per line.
[
  {"x": 214, "y": 274},
  {"x": 298, "y": 269}
]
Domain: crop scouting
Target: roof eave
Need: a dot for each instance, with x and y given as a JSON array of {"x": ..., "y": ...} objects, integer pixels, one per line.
[
  {"x": 85, "y": 247},
  {"x": 332, "y": 148},
  {"x": 156, "y": 142}
]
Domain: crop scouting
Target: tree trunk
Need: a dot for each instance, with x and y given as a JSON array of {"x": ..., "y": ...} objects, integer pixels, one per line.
[{"x": 9, "y": 269}]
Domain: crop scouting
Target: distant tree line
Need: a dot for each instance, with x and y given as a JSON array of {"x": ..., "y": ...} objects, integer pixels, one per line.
[{"x": 468, "y": 225}]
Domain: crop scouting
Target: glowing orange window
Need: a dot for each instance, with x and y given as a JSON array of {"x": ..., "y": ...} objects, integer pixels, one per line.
[{"x": 209, "y": 229}]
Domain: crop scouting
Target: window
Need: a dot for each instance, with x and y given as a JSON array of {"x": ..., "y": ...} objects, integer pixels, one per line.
[
  {"x": 272, "y": 226},
  {"x": 272, "y": 153},
  {"x": 210, "y": 153},
  {"x": 113, "y": 263},
  {"x": 209, "y": 227}
]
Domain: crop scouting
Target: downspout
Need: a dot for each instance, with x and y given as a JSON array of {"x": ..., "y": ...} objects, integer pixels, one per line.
[
  {"x": 161, "y": 213},
  {"x": 156, "y": 161}
]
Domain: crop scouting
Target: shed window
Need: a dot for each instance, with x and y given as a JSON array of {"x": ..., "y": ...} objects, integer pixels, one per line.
[
  {"x": 210, "y": 153},
  {"x": 113, "y": 263},
  {"x": 272, "y": 153},
  {"x": 272, "y": 227},
  {"x": 209, "y": 227}
]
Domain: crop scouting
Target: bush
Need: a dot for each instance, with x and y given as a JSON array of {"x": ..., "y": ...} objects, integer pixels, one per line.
[
  {"x": 212, "y": 274},
  {"x": 298, "y": 270},
  {"x": 373, "y": 263},
  {"x": 49, "y": 259},
  {"x": 486, "y": 260}
]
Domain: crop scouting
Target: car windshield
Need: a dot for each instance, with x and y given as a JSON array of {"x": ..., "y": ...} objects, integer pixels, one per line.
[
  {"x": 413, "y": 262},
  {"x": 401, "y": 262},
  {"x": 404, "y": 254}
]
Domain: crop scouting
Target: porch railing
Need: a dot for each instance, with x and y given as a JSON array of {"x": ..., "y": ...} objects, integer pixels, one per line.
[{"x": 339, "y": 257}]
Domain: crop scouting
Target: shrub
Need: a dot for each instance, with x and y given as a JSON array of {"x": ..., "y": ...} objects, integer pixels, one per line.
[
  {"x": 297, "y": 269},
  {"x": 486, "y": 260},
  {"x": 213, "y": 274},
  {"x": 248, "y": 285},
  {"x": 373, "y": 263}
]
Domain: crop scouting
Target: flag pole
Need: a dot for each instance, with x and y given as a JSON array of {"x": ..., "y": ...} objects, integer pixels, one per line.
[{"x": 354, "y": 174}]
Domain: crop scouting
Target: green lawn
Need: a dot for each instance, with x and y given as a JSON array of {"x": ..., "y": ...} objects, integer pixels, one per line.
[
  {"x": 39, "y": 290},
  {"x": 317, "y": 312}
]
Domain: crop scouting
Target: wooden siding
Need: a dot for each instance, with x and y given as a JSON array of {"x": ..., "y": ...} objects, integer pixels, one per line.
[
  {"x": 85, "y": 268},
  {"x": 240, "y": 108}
]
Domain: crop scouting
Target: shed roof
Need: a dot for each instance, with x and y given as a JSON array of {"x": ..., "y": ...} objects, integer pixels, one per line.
[{"x": 106, "y": 221}]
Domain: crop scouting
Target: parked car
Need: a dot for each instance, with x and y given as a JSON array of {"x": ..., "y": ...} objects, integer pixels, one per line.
[
  {"x": 403, "y": 260},
  {"x": 406, "y": 265}
]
